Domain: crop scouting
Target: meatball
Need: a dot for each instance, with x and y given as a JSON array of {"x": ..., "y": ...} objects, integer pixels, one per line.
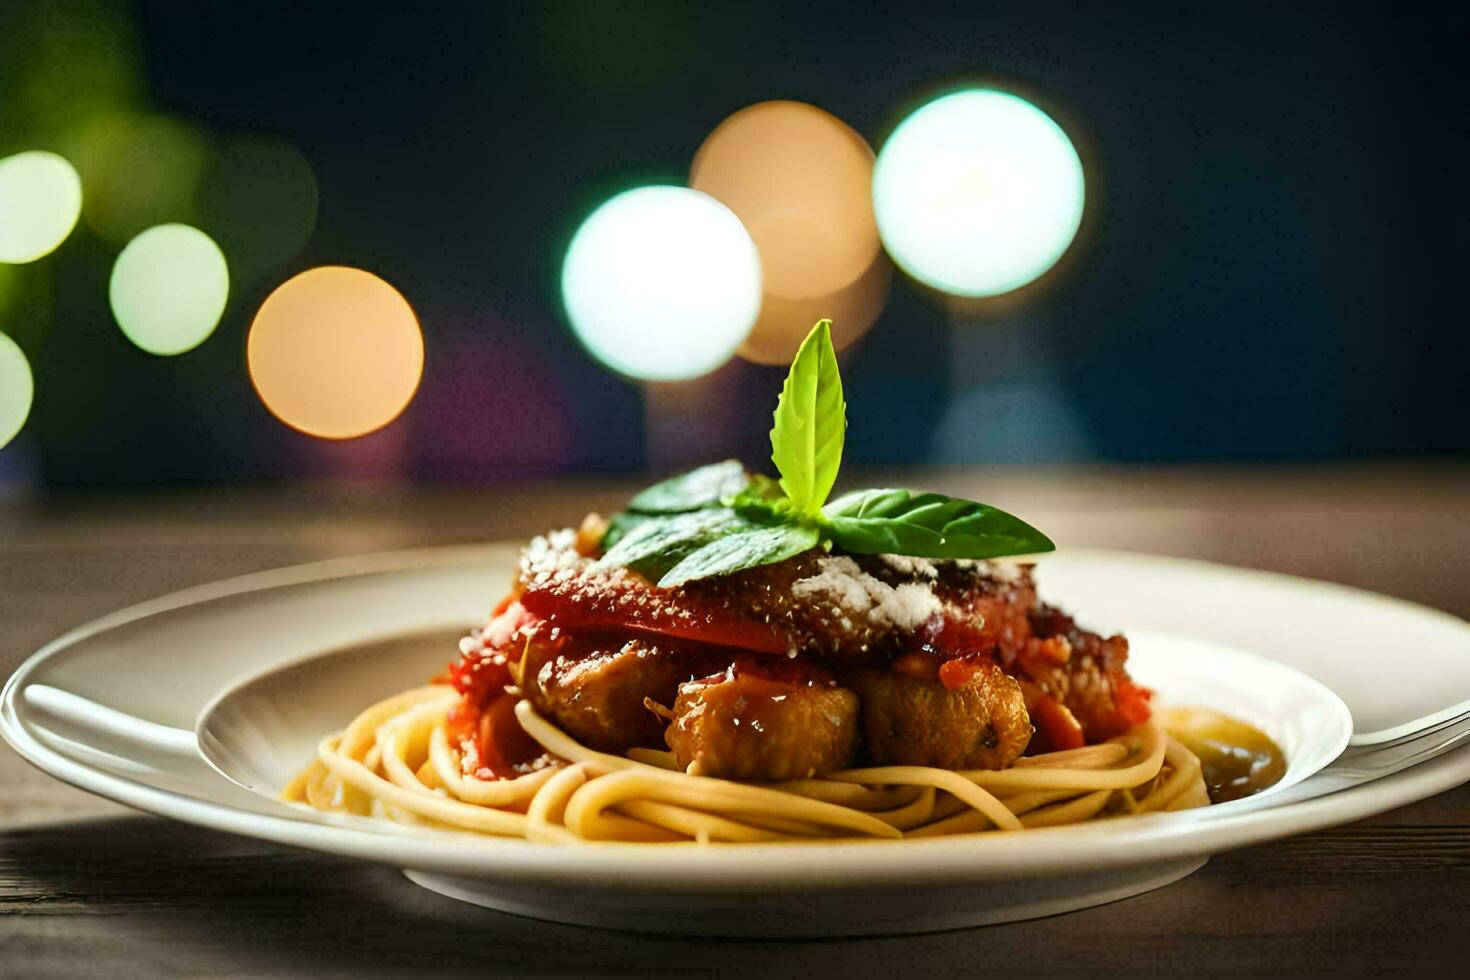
[
  {"x": 594, "y": 688},
  {"x": 912, "y": 721},
  {"x": 764, "y": 722}
]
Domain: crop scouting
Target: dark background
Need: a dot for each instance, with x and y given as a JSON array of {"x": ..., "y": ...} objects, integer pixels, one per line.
[{"x": 1270, "y": 267}]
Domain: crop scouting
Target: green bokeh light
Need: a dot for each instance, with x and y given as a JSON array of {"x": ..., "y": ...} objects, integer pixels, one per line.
[
  {"x": 139, "y": 170},
  {"x": 17, "y": 388},
  {"x": 62, "y": 63},
  {"x": 40, "y": 198},
  {"x": 168, "y": 289},
  {"x": 978, "y": 193}
]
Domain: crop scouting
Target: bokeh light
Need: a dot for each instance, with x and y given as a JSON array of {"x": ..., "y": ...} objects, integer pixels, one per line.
[
  {"x": 801, "y": 181},
  {"x": 335, "y": 352},
  {"x": 852, "y": 310},
  {"x": 168, "y": 289},
  {"x": 17, "y": 388},
  {"x": 40, "y": 199},
  {"x": 139, "y": 171},
  {"x": 259, "y": 197},
  {"x": 61, "y": 63},
  {"x": 978, "y": 193},
  {"x": 662, "y": 283}
]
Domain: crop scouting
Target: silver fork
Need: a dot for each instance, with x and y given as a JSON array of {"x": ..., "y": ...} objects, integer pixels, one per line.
[{"x": 1421, "y": 733}]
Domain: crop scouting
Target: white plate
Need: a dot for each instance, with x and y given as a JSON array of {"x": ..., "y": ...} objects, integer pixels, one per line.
[{"x": 166, "y": 660}]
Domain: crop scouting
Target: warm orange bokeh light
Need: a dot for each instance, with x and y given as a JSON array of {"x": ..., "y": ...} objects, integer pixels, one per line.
[
  {"x": 852, "y": 310},
  {"x": 335, "y": 352},
  {"x": 801, "y": 181}
]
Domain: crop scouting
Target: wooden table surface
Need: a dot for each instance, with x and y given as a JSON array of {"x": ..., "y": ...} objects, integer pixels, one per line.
[{"x": 88, "y": 886}]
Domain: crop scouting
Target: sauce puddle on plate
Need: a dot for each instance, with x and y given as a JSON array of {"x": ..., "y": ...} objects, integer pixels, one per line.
[{"x": 1238, "y": 760}]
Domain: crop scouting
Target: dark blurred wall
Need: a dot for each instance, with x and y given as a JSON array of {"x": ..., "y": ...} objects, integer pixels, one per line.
[{"x": 1270, "y": 267}]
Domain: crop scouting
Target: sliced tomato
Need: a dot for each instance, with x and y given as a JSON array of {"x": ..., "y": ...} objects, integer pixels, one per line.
[
  {"x": 480, "y": 675},
  {"x": 956, "y": 673},
  {"x": 953, "y": 637},
  {"x": 586, "y": 604},
  {"x": 502, "y": 743},
  {"x": 1058, "y": 726},
  {"x": 1131, "y": 701},
  {"x": 512, "y": 622}
]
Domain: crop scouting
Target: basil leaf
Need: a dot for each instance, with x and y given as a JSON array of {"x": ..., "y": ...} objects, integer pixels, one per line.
[
  {"x": 927, "y": 525},
  {"x": 619, "y": 525},
  {"x": 763, "y": 502},
  {"x": 760, "y": 487},
  {"x": 811, "y": 421},
  {"x": 742, "y": 550},
  {"x": 658, "y": 543},
  {"x": 760, "y": 511},
  {"x": 704, "y": 487}
]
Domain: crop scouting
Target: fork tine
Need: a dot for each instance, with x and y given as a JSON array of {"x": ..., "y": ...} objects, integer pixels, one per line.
[
  {"x": 1404, "y": 753},
  {"x": 1422, "y": 732}
]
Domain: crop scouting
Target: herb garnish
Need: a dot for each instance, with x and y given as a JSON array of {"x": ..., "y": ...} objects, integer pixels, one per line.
[{"x": 718, "y": 519}]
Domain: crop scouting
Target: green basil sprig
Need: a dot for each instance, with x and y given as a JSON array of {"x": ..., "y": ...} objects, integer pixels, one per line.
[
  {"x": 718, "y": 519},
  {"x": 811, "y": 422}
]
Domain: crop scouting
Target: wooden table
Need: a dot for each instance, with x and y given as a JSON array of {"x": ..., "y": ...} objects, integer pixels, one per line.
[{"x": 87, "y": 886}]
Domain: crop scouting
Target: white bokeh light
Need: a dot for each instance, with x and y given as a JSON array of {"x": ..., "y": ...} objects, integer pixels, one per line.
[
  {"x": 169, "y": 288},
  {"x": 40, "y": 199},
  {"x": 662, "y": 283},
  {"x": 978, "y": 193},
  {"x": 17, "y": 389}
]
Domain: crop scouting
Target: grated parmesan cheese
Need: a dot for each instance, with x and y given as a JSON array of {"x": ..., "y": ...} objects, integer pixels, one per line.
[
  {"x": 911, "y": 567},
  {"x": 1008, "y": 572},
  {"x": 842, "y": 582}
]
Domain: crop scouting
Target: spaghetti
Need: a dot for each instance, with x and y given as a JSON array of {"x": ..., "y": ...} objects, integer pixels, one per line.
[{"x": 398, "y": 761}]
